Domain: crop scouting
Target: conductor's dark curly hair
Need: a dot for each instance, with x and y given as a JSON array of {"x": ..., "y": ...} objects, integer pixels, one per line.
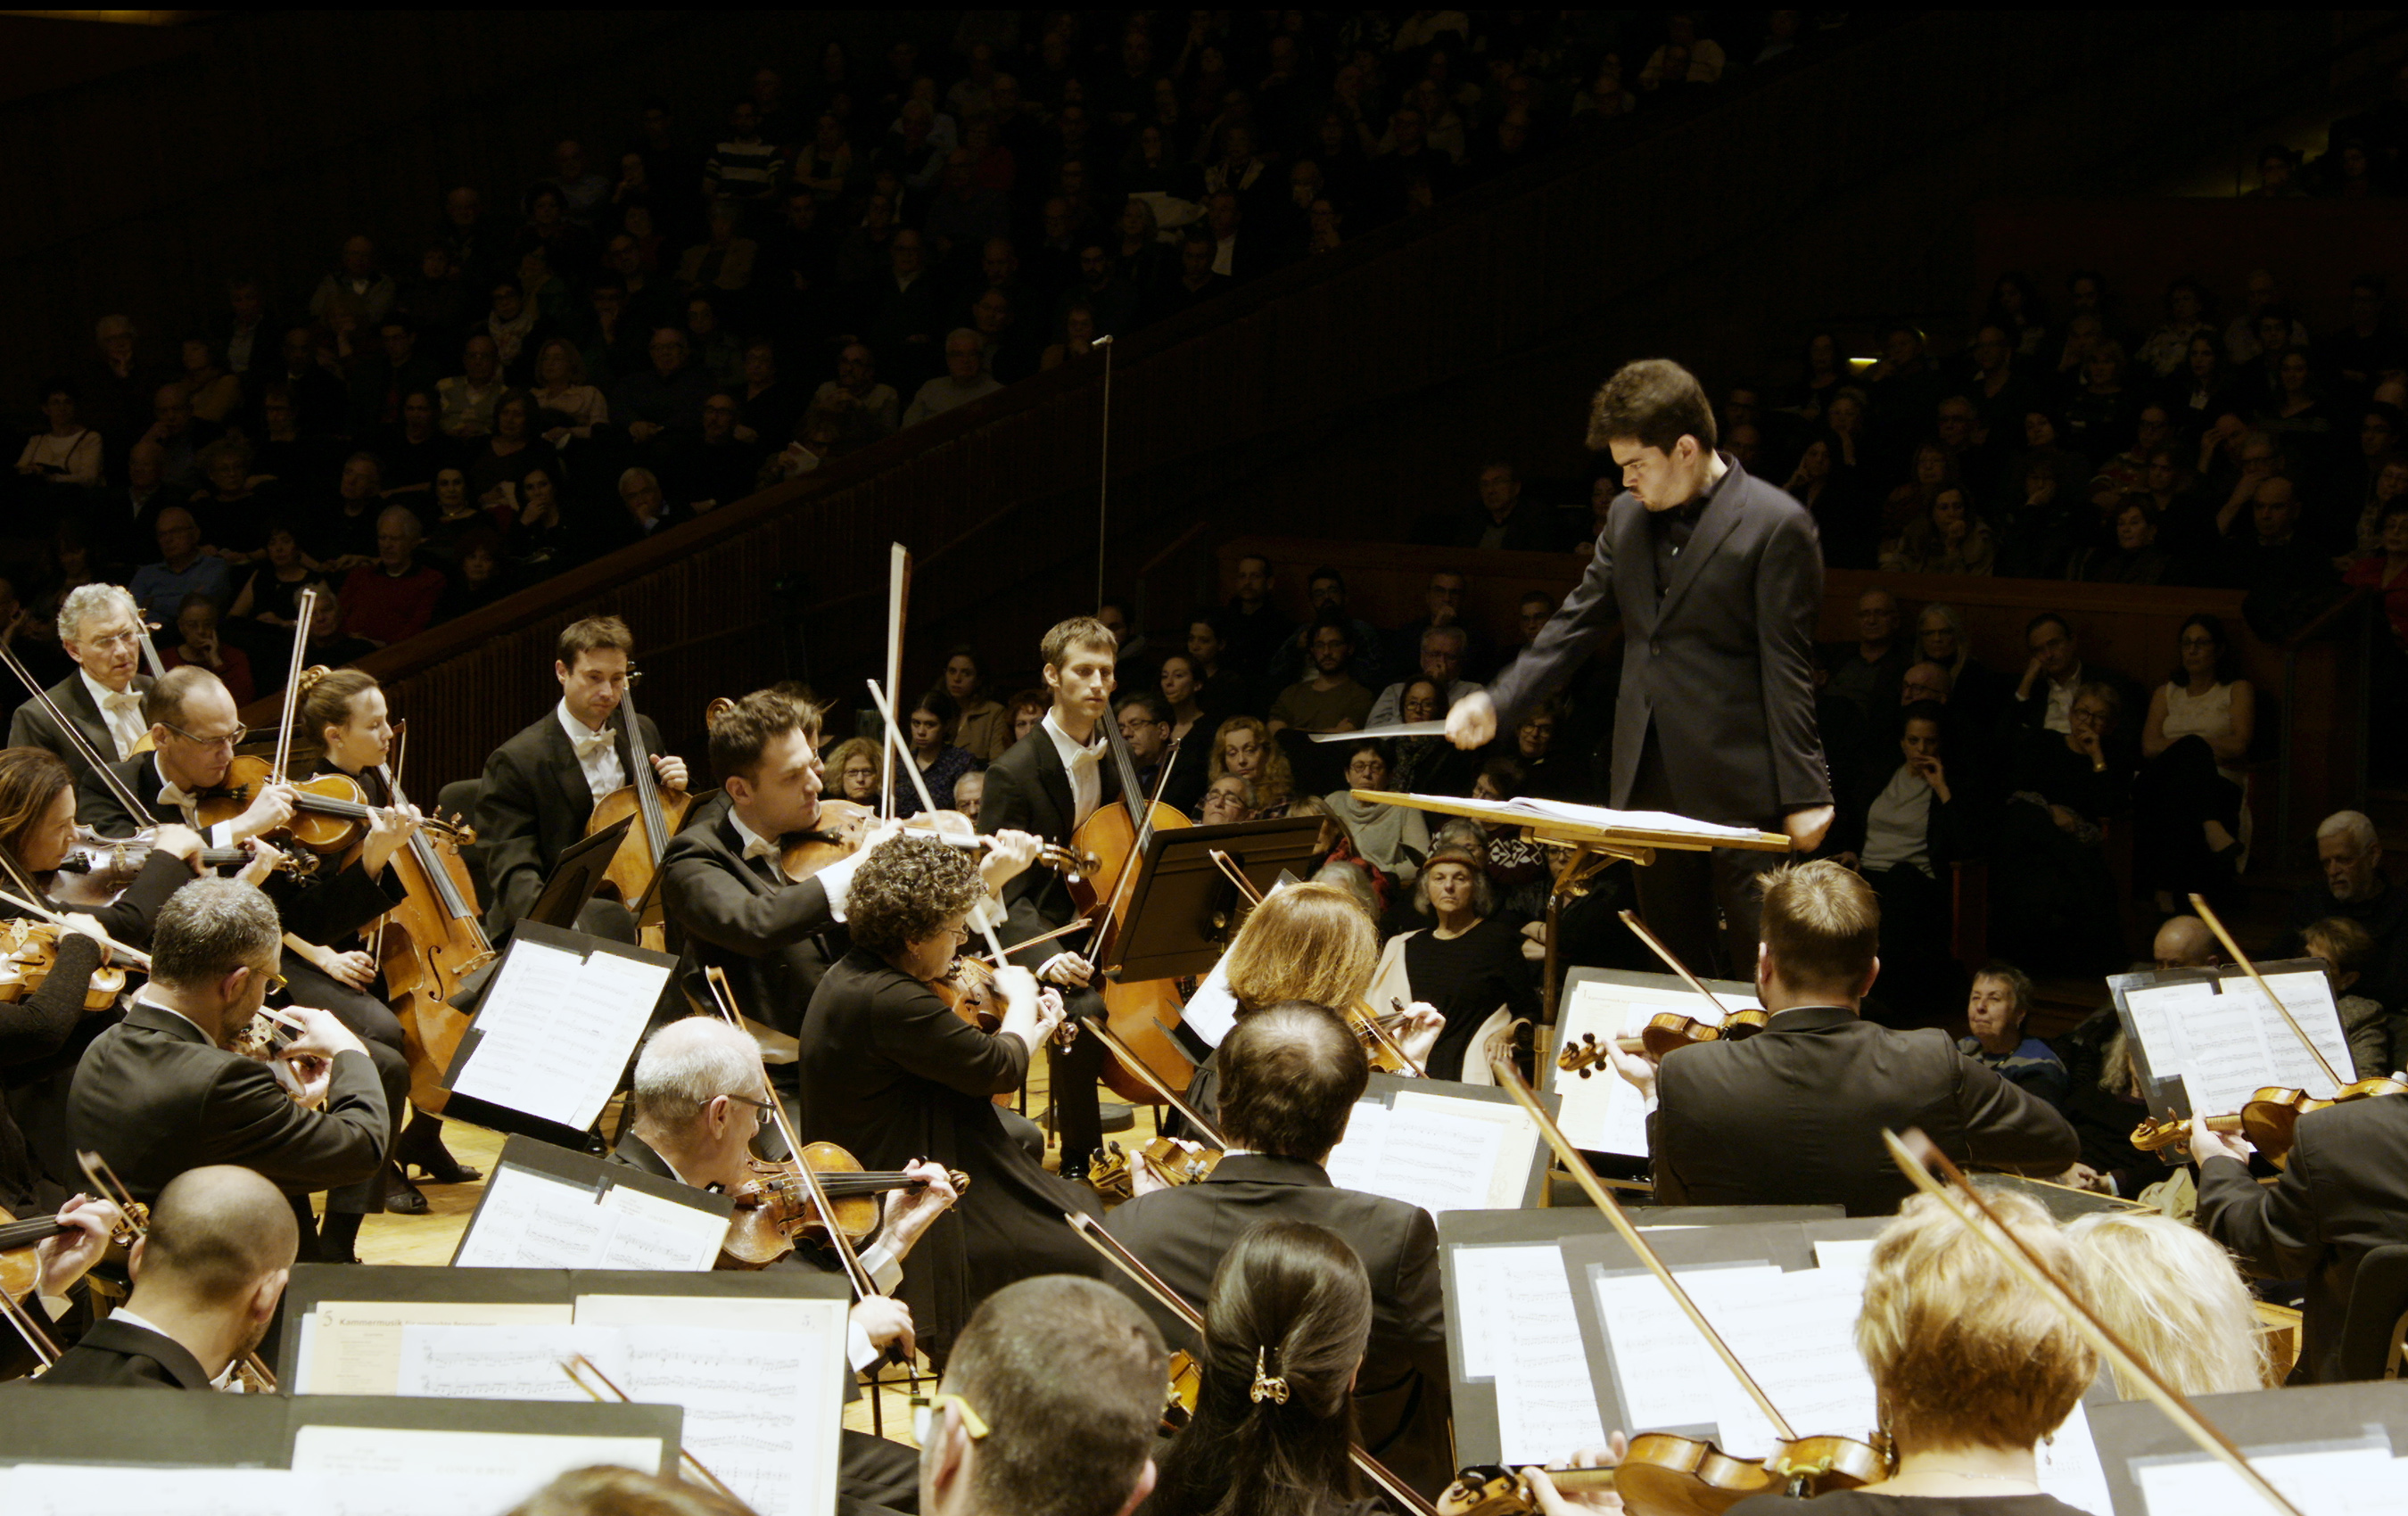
[{"x": 904, "y": 890}]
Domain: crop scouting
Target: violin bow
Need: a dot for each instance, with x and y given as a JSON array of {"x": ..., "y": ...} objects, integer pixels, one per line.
[
  {"x": 898, "y": 600},
  {"x": 114, "y": 1190},
  {"x": 20, "y": 1316},
  {"x": 143, "y": 627},
  {"x": 1500, "y": 1059},
  {"x": 863, "y": 1285},
  {"x": 1178, "y": 1305},
  {"x": 1135, "y": 1065},
  {"x": 920, "y": 787},
  {"x": 75, "y": 737},
  {"x": 136, "y": 957},
  {"x": 2217, "y": 926},
  {"x": 306, "y": 609},
  {"x": 571, "y": 1365},
  {"x": 1917, "y": 1155},
  {"x": 1655, "y": 946}
]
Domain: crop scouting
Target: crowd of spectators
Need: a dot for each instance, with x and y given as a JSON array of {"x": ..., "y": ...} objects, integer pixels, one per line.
[{"x": 861, "y": 238}]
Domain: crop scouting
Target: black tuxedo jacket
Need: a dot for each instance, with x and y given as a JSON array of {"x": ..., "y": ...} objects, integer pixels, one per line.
[
  {"x": 765, "y": 937},
  {"x": 1028, "y": 790},
  {"x": 1722, "y": 666},
  {"x": 155, "y": 1097},
  {"x": 31, "y": 726},
  {"x": 2343, "y": 1193},
  {"x": 125, "y": 1356},
  {"x": 1401, "y": 1397},
  {"x": 1794, "y": 1115},
  {"x": 535, "y": 807},
  {"x": 324, "y": 908}
]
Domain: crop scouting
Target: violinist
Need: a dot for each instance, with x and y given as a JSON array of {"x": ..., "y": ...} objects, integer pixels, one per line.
[
  {"x": 207, "y": 1276},
  {"x": 160, "y": 1093},
  {"x": 700, "y": 1098},
  {"x": 42, "y": 1033},
  {"x": 1050, "y": 782},
  {"x": 100, "y": 627},
  {"x": 540, "y": 786},
  {"x": 60, "y": 1263},
  {"x": 197, "y": 728},
  {"x": 1818, "y": 1085},
  {"x": 1284, "y": 1337},
  {"x": 1971, "y": 1368},
  {"x": 2343, "y": 1194},
  {"x": 891, "y": 1073},
  {"x": 1292, "y": 1074},
  {"x": 345, "y": 728}
]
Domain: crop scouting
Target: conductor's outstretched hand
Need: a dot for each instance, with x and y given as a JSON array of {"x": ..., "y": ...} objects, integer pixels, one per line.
[{"x": 1472, "y": 722}]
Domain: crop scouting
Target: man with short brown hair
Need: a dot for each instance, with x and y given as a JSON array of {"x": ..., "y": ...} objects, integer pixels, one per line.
[{"x": 1794, "y": 1115}]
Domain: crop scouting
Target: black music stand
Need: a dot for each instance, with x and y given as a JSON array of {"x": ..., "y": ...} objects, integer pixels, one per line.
[
  {"x": 577, "y": 876},
  {"x": 1183, "y": 909}
]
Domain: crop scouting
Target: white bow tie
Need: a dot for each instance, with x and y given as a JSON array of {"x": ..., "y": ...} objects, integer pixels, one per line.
[
  {"x": 1087, "y": 757},
  {"x": 129, "y": 701},
  {"x": 170, "y": 794},
  {"x": 589, "y": 745},
  {"x": 762, "y": 847}
]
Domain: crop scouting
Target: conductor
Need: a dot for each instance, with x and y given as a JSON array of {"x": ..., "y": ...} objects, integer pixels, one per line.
[{"x": 1717, "y": 580}]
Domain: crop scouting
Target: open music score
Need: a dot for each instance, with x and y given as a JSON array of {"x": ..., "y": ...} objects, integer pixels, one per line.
[
  {"x": 549, "y": 1207},
  {"x": 1438, "y": 1151},
  {"x": 1511, "y": 1305},
  {"x": 2212, "y": 1034},
  {"x": 555, "y": 1031},
  {"x": 1603, "y": 1113}
]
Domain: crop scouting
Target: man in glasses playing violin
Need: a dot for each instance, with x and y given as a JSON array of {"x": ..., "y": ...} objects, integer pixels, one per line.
[
  {"x": 194, "y": 728},
  {"x": 100, "y": 627},
  {"x": 701, "y": 1096}
]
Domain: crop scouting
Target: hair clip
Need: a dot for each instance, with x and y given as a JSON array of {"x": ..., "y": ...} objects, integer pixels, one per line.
[{"x": 1273, "y": 1388}]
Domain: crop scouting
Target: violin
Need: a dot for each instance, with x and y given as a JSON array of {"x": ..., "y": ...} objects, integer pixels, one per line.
[
  {"x": 776, "y": 1207},
  {"x": 30, "y": 950},
  {"x": 1664, "y": 1474},
  {"x": 845, "y": 824},
  {"x": 1664, "y": 1032},
  {"x": 1378, "y": 1034},
  {"x": 108, "y": 864},
  {"x": 330, "y": 811},
  {"x": 1109, "y": 1172},
  {"x": 1186, "y": 1383},
  {"x": 968, "y": 992},
  {"x": 253, "y": 1374},
  {"x": 21, "y": 1267}
]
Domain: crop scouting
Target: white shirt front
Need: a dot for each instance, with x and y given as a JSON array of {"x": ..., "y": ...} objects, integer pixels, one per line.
[
  {"x": 121, "y": 711},
  {"x": 597, "y": 753},
  {"x": 189, "y": 807},
  {"x": 1084, "y": 766},
  {"x": 2061, "y": 702}
]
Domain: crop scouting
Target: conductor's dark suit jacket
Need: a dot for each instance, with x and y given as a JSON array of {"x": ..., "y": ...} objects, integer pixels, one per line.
[
  {"x": 122, "y": 1355},
  {"x": 1401, "y": 1397},
  {"x": 156, "y": 1098},
  {"x": 534, "y": 807},
  {"x": 2343, "y": 1193},
  {"x": 1794, "y": 1115},
  {"x": 1028, "y": 790},
  {"x": 31, "y": 726},
  {"x": 1722, "y": 666},
  {"x": 764, "y": 936}
]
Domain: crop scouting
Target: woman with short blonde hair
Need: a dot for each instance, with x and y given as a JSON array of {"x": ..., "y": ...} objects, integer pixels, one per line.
[{"x": 2174, "y": 1296}]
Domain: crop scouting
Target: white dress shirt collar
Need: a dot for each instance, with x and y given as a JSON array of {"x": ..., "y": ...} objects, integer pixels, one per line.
[
  {"x": 597, "y": 753},
  {"x": 124, "y": 720},
  {"x": 1083, "y": 763}
]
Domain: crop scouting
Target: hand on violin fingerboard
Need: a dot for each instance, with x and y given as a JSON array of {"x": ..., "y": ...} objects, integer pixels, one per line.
[
  {"x": 2206, "y": 1142},
  {"x": 909, "y": 1212},
  {"x": 1636, "y": 1069},
  {"x": 389, "y": 828},
  {"x": 1008, "y": 857},
  {"x": 270, "y": 810},
  {"x": 1067, "y": 969}
]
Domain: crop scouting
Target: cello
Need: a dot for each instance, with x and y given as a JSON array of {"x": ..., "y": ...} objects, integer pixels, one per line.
[
  {"x": 658, "y": 815},
  {"x": 1117, "y": 835},
  {"x": 426, "y": 946}
]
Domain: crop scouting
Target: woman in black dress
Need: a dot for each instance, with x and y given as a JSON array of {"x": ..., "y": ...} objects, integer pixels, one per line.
[
  {"x": 1468, "y": 963},
  {"x": 889, "y": 1072}
]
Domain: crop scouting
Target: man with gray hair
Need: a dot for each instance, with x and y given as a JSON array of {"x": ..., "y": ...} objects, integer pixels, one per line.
[
  {"x": 394, "y": 598},
  {"x": 100, "y": 628},
  {"x": 965, "y": 379},
  {"x": 162, "y": 1093},
  {"x": 2350, "y": 856},
  {"x": 1442, "y": 650}
]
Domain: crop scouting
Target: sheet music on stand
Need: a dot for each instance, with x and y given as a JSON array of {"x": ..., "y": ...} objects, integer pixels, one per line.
[
  {"x": 557, "y": 1025},
  {"x": 2333, "y": 1450},
  {"x": 549, "y": 1207},
  {"x": 756, "y": 1360},
  {"x": 1442, "y": 1146},
  {"x": 1603, "y": 1112},
  {"x": 2205, "y": 1040}
]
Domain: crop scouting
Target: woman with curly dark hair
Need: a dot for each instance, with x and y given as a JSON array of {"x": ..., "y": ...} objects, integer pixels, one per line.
[{"x": 891, "y": 1073}]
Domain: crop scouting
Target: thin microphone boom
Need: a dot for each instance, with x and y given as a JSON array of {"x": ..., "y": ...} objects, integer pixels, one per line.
[{"x": 1103, "y": 463}]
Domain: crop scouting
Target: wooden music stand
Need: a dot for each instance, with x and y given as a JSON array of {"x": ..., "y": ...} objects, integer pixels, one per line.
[{"x": 1584, "y": 848}]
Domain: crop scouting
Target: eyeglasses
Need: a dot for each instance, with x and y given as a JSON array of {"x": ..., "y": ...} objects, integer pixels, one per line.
[
  {"x": 927, "y": 1407},
  {"x": 275, "y": 984},
  {"x": 760, "y": 1109},
  {"x": 111, "y": 644},
  {"x": 227, "y": 739}
]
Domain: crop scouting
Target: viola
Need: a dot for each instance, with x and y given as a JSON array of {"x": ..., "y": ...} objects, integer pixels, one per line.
[
  {"x": 776, "y": 1207},
  {"x": 1665, "y": 1031},
  {"x": 1667, "y": 1475},
  {"x": 968, "y": 992},
  {"x": 2269, "y": 1120},
  {"x": 29, "y": 950}
]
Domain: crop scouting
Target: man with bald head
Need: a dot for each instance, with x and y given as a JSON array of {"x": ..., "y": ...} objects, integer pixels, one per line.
[
  {"x": 394, "y": 598},
  {"x": 207, "y": 1279},
  {"x": 181, "y": 569},
  {"x": 2102, "y": 1099}
]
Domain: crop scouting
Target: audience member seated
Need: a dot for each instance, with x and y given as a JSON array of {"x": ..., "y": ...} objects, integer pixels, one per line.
[
  {"x": 1177, "y": 779},
  {"x": 394, "y": 598},
  {"x": 1330, "y": 700},
  {"x": 665, "y": 397},
  {"x": 1866, "y": 672},
  {"x": 2175, "y": 1299},
  {"x": 497, "y": 464},
  {"x": 1342, "y": 862},
  {"x": 2053, "y": 900},
  {"x": 1326, "y": 595},
  {"x": 2345, "y": 946},
  {"x": 1995, "y": 1011},
  {"x": 1424, "y": 764},
  {"x": 468, "y": 397},
  {"x": 271, "y": 592},
  {"x": 983, "y": 730},
  {"x": 1394, "y": 837},
  {"x": 929, "y": 730},
  {"x": 2134, "y": 557},
  {"x": 1979, "y": 696},
  {"x": 853, "y": 769},
  {"x": 1229, "y": 799},
  {"x": 197, "y": 642},
  {"x": 1945, "y": 539},
  {"x": 2287, "y": 577},
  {"x": 1441, "y": 607},
  {"x": 1547, "y": 770},
  {"x": 183, "y": 569},
  {"x": 2044, "y": 696},
  {"x": 1468, "y": 962},
  {"x": 964, "y": 380},
  {"x": 1903, "y": 829},
  {"x": 65, "y": 451},
  {"x": 1501, "y": 520},
  {"x": 1442, "y": 663},
  {"x": 2188, "y": 819},
  {"x": 856, "y": 391},
  {"x": 478, "y": 577},
  {"x": 2354, "y": 886}
]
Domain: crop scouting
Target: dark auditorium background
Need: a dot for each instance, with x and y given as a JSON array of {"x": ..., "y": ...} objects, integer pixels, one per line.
[{"x": 1349, "y": 262}]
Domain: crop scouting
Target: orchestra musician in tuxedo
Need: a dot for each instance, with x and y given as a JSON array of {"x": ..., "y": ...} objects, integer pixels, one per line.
[
  {"x": 1716, "y": 580},
  {"x": 1290, "y": 1076},
  {"x": 1794, "y": 1115},
  {"x": 541, "y": 785},
  {"x": 1048, "y": 783},
  {"x": 701, "y": 1096},
  {"x": 196, "y": 729},
  {"x": 891, "y": 1072},
  {"x": 100, "y": 627},
  {"x": 160, "y": 1093},
  {"x": 208, "y": 1275},
  {"x": 722, "y": 880}
]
